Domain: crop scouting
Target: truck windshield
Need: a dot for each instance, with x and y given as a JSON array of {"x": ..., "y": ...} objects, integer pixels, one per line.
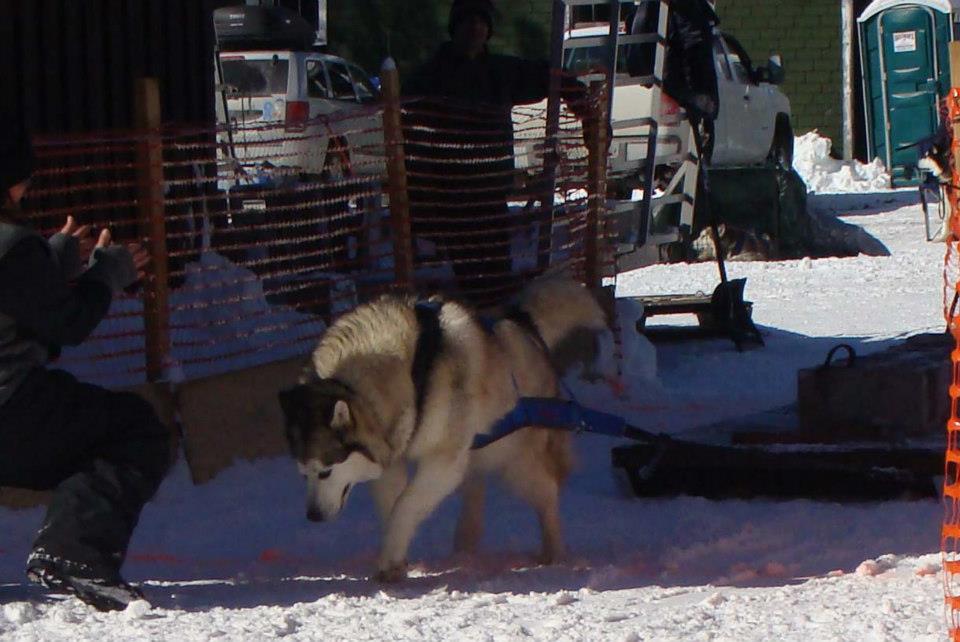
[{"x": 262, "y": 77}]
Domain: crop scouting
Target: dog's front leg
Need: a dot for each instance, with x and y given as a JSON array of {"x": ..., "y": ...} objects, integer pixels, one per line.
[
  {"x": 434, "y": 480},
  {"x": 387, "y": 488}
]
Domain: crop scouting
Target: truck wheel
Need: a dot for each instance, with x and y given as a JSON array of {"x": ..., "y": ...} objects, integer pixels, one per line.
[{"x": 781, "y": 150}]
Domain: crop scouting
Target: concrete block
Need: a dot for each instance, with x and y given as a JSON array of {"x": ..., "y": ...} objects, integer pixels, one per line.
[{"x": 234, "y": 416}]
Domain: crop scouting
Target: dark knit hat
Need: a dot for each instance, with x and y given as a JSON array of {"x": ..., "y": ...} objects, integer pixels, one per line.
[
  {"x": 463, "y": 8},
  {"x": 17, "y": 161}
]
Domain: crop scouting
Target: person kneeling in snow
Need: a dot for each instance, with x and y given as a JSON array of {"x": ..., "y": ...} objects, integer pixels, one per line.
[{"x": 102, "y": 453}]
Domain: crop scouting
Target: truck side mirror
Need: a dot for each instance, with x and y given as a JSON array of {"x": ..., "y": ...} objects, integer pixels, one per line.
[{"x": 775, "y": 74}]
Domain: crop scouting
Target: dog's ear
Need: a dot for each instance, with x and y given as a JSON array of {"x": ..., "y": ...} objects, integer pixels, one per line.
[
  {"x": 293, "y": 400},
  {"x": 336, "y": 395},
  {"x": 331, "y": 388}
]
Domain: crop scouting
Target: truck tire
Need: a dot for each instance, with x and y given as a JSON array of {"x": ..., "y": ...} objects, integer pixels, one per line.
[{"x": 781, "y": 150}]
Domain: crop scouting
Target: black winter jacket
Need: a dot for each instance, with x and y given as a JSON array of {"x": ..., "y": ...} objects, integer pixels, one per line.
[
  {"x": 462, "y": 127},
  {"x": 459, "y": 133},
  {"x": 690, "y": 67},
  {"x": 41, "y": 309}
]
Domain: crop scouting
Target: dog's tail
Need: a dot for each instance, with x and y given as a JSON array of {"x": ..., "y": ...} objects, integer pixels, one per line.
[{"x": 568, "y": 318}]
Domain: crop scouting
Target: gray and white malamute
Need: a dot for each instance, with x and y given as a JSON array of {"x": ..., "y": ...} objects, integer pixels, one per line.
[{"x": 395, "y": 383}]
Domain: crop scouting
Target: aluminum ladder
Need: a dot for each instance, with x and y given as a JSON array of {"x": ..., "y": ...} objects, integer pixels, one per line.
[{"x": 649, "y": 147}]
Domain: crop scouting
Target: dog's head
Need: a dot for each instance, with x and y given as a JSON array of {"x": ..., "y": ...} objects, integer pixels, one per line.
[
  {"x": 324, "y": 439},
  {"x": 934, "y": 154}
]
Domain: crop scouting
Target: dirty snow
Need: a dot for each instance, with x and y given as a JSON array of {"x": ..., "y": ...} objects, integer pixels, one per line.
[{"x": 236, "y": 560}]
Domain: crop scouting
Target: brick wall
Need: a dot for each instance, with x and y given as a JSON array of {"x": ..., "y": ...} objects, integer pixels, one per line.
[
  {"x": 807, "y": 34},
  {"x": 523, "y": 28}
]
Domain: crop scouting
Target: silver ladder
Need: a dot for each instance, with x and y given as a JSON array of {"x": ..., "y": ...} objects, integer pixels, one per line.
[{"x": 647, "y": 144}]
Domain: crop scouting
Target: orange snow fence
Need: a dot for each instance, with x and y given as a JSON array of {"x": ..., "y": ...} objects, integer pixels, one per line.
[
  {"x": 950, "y": 535},
  {"x": 265, "y": 232}
]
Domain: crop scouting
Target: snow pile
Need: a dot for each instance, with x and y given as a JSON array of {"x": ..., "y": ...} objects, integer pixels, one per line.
[
  {"x": 824, "y": 174},
  {"x": 220, "y": 321}
]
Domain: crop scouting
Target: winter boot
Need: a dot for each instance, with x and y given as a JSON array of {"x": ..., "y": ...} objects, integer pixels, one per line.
[{"x": 104, "y": 593}]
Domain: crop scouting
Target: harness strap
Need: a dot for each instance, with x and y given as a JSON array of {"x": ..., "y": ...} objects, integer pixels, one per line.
[
  {"x": 547, "y": 412},
  {"x": 429, "y": 345},
  {"x": 553, "y": 413}
]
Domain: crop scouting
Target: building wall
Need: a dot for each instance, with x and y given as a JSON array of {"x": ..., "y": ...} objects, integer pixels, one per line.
[{"x": 807, "y": 34}]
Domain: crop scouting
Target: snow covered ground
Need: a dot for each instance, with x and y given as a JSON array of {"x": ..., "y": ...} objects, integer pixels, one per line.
[{"x": 235, "y": 559}]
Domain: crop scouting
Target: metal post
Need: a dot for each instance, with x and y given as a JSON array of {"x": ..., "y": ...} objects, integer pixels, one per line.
[
  {"x": 156, "y": 309},
  {"x": 612, "y": 52},
  {"x": 397, "y": 176},
  {"x": 545, "y": 216},
  {"x": 322, "y": 22},
  {"x": 656, "y": 91},
  {"x": 847, "y": 35}
]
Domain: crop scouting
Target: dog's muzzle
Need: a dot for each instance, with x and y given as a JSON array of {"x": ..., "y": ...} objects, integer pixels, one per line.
[{"x": 316, "y": 516}]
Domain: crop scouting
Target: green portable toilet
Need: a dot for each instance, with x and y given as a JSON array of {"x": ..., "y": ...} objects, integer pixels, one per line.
[{"x": 905, "y": 56}]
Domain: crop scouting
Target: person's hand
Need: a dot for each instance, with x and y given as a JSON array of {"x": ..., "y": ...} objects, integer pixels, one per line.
[
  {"x": 141, "y": 258},
  {"x": 83, "y": 235},
  {"x": 105, "y": 239}
]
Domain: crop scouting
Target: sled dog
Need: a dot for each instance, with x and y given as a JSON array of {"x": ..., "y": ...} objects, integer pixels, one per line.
[{"x": 398, "y": 384}]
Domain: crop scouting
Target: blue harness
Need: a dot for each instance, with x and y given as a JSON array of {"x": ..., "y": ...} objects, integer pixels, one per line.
[
  {"x": 555, "y": 413},
  {"x": 547, "y": 412}
]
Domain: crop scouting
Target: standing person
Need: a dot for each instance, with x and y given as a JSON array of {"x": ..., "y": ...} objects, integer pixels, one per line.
[
  {"x": 460, "y": 148},
  {"x": 102, "y": 453},
  {"x": 690, "y": 70}
]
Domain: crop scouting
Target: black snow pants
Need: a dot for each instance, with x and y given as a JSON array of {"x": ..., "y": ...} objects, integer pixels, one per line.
[{"x": 103, "y": 453}]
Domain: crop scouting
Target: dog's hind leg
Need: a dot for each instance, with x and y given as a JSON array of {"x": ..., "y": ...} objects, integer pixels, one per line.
[
  {"x": 532, "y": 481},
  {"x": 435, "y": 479},
  {"x": 387, "y": 488},
  {"x": 470, "y": 523}
]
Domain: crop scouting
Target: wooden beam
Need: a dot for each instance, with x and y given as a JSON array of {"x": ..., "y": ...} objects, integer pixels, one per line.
[
  {"x": 597, "y": 146},
  {"x": 397, "y": 176},
  {"x": 156, "y": 309}
]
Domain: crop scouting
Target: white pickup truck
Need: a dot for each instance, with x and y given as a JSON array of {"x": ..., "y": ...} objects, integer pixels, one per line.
[{"x": 752, "y": 128}]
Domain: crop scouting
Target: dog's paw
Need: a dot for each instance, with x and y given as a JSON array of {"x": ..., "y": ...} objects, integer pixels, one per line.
[
  {"x": 392, "y": 574},
  {"x": 551, "y": 557}
]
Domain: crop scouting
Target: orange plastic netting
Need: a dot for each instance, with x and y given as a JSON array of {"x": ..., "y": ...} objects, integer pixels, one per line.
[{"x": 950, "y": 534}]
